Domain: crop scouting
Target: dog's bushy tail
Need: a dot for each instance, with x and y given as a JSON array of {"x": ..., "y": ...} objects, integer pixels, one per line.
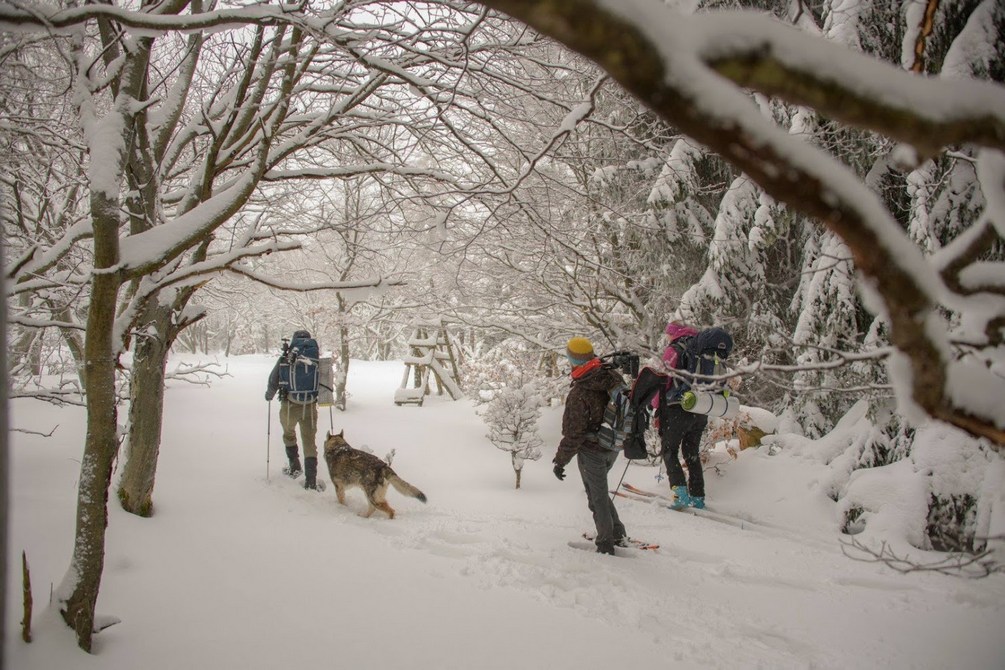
[{"x": 404, "y": 488}]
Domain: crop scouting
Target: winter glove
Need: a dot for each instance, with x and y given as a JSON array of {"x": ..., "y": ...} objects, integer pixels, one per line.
[
  {"x": 268, "y": 395},
  {"x": 559, "y": 472}
]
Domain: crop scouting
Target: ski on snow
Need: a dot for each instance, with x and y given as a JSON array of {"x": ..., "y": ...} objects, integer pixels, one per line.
[
  {"x": 629, "y": 543},
  {"x": 584, "y": 545},
  {"x": 634, "y": 493},
  {"x": 760, "y": 526}
]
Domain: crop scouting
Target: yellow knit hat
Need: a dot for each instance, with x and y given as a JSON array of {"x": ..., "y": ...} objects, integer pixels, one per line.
[{"x": 579, "y": 350}]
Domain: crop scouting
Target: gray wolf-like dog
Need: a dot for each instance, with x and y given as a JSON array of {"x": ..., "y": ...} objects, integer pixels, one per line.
[{"x": 352, "y": 467}]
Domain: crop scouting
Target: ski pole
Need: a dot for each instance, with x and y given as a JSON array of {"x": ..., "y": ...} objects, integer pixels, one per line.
[
  {"x": 621, "y": 480},
  {"x": 268, "y": 439}
]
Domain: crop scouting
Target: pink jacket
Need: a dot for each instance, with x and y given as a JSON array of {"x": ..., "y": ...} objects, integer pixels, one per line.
[{"x": 675, "y": 331}]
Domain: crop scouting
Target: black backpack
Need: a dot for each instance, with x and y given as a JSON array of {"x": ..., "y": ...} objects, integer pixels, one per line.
[
  {"x": 298, "y": 368},
  {"x": 648, "y": 384}
]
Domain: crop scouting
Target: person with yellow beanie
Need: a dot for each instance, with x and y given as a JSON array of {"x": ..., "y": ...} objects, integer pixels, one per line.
[
  {"x": 592, "y": 386},
  {"x": 579, "y": 351}
]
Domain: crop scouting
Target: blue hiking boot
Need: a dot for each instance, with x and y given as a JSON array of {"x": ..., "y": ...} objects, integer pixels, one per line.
[
  {"x": 681, "y": 498},
  {"x": 698, "y": 502}
]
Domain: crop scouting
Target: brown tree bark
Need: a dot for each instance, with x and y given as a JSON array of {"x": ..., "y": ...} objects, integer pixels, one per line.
[
  {"x": 341, "y": 375},
  {"x": 79, "y": 591},
  {"x": 146, "y": 409}
]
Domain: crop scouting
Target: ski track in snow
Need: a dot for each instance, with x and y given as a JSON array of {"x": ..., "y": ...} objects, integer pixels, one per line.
[
  {"x": 774, "y": 593},
  {"x": 489, "y": 552},
  {"x": 494, "y": 552}
]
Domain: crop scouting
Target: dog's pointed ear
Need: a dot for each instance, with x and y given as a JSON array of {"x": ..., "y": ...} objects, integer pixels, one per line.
[
  {"x": 341, "y": 433},
  {"x": 328, "y": 434}
]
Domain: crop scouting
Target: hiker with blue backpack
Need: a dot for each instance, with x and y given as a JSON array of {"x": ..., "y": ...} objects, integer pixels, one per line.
[
  {"x": 295, "y": 377},
  {"x": 694, "y": 359}
]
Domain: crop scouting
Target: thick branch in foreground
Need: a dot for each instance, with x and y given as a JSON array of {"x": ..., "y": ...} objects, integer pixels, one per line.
[{"x": 692, "y": 94}]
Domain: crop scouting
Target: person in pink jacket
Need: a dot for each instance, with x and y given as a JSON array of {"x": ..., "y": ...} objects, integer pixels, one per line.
[
  {"x": 674, "y": 332},
  {"x": 680, "y": 432}
]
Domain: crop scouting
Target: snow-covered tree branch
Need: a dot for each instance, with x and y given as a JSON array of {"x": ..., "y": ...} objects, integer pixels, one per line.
[{"x": 696, "y": 71}]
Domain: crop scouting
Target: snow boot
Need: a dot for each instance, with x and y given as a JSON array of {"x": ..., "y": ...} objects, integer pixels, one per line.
[
  {"x": 681, "y": 498},
  {"x": 294, "y": 469},
  {"x": 605, "y": 548},
  {"x": 311, "y": 473},
  {"x": 698, "y": 502}
]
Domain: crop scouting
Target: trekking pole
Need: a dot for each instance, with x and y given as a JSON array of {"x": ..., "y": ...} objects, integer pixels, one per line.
[
  {"x": 618, "y": 488},
  {"x": 331, "y": 419},
  {"x": 268, "y": 439}
]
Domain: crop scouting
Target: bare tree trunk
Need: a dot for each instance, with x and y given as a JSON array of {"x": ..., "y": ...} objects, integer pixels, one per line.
[
  {"x": 160, "y": 327},
  {"x": 26, "y": 598},
  {"x": 342, "y": 370},
  {"x": 517, "y": 469},
  {"x": 146, "y": 411},
  {"x": 74, "y": 343},
  {"x": 26, "y": 350},
  {"x": 4, "y": 512},
  {"x": 79, "y": 590},
  {"x": 265, "y": 343},
  {"x": 924, "y": 33}
]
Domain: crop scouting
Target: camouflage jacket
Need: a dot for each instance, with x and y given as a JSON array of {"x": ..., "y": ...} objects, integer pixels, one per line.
[{"x": 584, "y": 411}]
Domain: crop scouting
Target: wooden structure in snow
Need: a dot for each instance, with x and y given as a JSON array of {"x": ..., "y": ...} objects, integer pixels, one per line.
[{"x": 431, "y": 355}]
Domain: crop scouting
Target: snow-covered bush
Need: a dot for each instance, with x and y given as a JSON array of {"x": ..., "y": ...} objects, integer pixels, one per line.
[
  {"x": 901, "y": 489},
  {"x": 512, "y": 417}
]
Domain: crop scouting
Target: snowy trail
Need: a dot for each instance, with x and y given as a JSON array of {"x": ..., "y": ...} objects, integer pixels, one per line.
[{"x": 239, "y": 570}]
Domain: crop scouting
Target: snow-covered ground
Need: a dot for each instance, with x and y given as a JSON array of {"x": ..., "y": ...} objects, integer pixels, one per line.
[{"x": 240, "y": 568}]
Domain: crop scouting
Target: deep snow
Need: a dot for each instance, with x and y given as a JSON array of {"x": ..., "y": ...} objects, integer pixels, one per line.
[{"x": 244, "y": 570}]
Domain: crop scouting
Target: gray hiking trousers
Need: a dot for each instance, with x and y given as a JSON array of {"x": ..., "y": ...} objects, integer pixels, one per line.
[
  {"x": 291, "y": 415},
  {"x": 594, "y": 466}
]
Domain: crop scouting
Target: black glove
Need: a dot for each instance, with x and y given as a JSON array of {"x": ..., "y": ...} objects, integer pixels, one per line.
[
  {"x": 559, "y": 471},
  {"x": 268, "y": 395}
]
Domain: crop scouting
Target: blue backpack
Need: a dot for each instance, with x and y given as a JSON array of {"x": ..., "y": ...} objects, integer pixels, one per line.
[
  {"x": 700, "y": 356},
  {"x": 299, "y": 373}
]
